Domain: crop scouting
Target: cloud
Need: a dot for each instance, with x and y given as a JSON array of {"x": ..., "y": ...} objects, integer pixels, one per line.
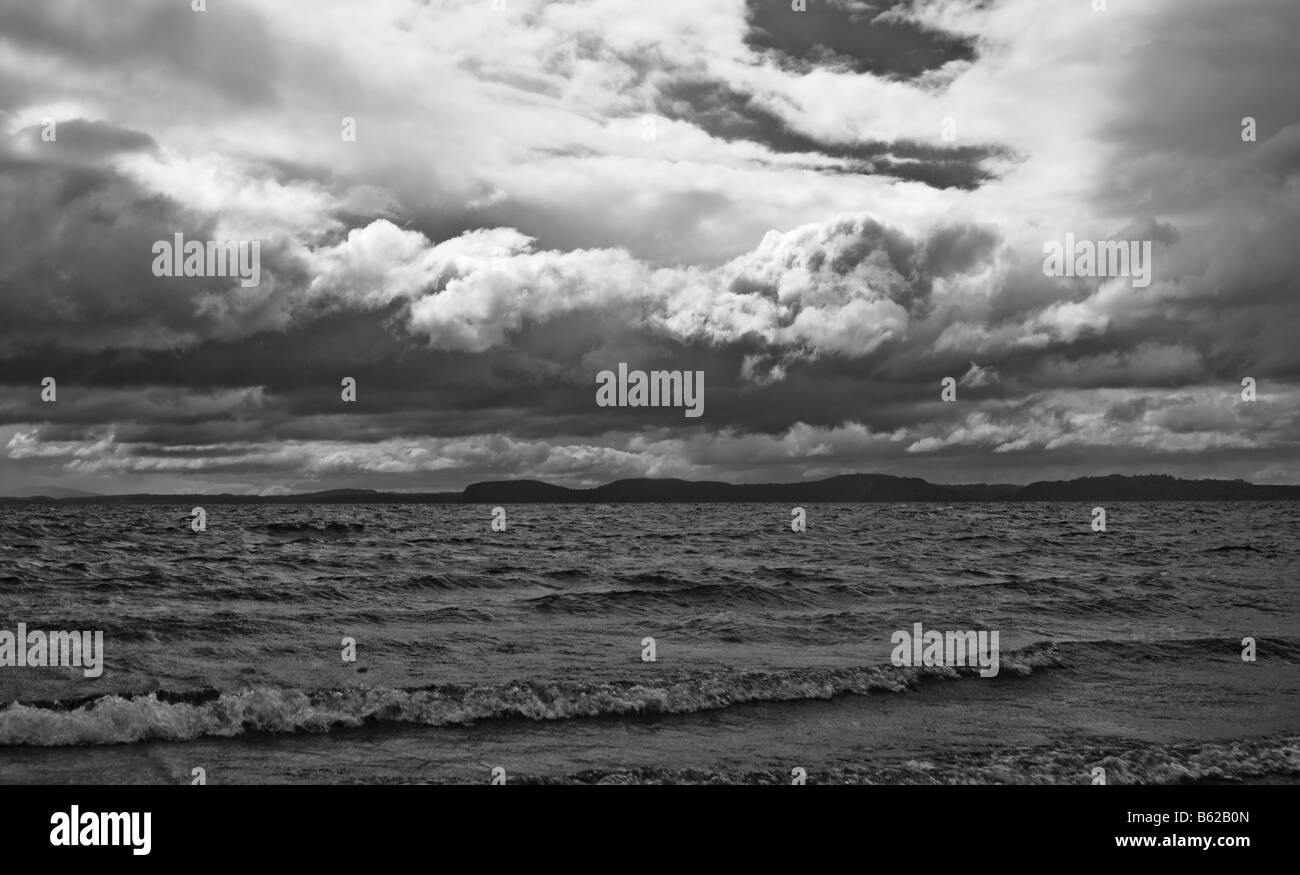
[
  {"x": 853, "y": 35},
  {"x": 722, "y": 112},
  {"x": 845, "y": 287},
  {"x": 827, "y": 212}
]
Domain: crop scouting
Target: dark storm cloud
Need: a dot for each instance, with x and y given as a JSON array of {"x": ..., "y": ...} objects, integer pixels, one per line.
[
  {"x": 728, "y": 114},
  {"x": 77, "y": 251},
  {"x": 73, "y": 141},
  {"x": 77, "y": 259},
  {"x": 850, "y": 35}
]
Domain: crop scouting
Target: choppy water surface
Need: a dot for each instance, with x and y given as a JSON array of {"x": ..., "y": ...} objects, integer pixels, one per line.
[{"x": 522, "y": 649}]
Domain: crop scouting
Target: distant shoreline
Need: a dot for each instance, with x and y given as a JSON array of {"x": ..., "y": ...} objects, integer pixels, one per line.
[{"x": 848, "y": 488}]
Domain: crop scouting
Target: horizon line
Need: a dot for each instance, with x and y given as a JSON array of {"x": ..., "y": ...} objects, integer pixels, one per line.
[{"x": 412, "y": 492}]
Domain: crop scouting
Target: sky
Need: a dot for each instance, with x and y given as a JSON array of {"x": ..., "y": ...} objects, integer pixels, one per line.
[{"x": 473, "y": 207}]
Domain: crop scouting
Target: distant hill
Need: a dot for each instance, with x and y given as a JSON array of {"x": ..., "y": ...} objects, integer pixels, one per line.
[
  {"x": 844, "y": 488},
  {"x": 1153, "y": 487},
  {"x": 58, "y": 492},
  {"x": 517, "y": 491},
  {"x": 849, "y": 487},
  {"x": 883, "y": 487}
]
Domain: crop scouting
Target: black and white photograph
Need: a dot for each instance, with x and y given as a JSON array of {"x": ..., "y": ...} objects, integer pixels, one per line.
[{"x": 698, "y": 392}]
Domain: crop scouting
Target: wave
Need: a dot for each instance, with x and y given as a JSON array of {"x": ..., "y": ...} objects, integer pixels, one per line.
[
  {"x": 182, "y": 716},
  {"x": 126, "y": 718},
  {"x": 1083, "y": 653}
]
